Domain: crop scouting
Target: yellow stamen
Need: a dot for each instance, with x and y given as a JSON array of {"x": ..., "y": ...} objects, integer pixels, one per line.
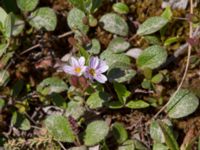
[
  {"x": 92, "y": 72},
  {"x": 77, "y": 70}
]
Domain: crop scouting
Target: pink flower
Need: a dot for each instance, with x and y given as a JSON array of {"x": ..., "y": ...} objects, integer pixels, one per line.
[
  {"x": 96, "y": 69},
  {"x": 77, "y": 66}
]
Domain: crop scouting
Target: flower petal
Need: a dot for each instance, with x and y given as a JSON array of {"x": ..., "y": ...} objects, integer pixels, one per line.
[
  {"x": 94, "y": 62},
  {"x": 103, "y": 67},
  {"x": 68, "y": 69},
  {"x": 87, "y": 74},
  {"x": 74, "y": 62},
  {"x": 81, "y": 61},
  {"x": 83, "y": 69},
  {"x": 100, "y": 78}
]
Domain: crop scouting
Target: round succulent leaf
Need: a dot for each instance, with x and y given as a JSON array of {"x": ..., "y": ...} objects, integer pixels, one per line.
[
  {"x": 115, "y": 105},
  {"x": 2, "y": 103},
  {"x": 167, "y": 13},
  {"x": 137, "y": 104},
  {"x": 97, "y": 99},
  {"x": 139, "y": 145},
  {"x": 111, "y": 58},
  {"x": 156, "y": 132},
  {"x": 118, "y": 45},
  {"x": 3, "y": 15},
  {"x": 119, "y": 132},
  {"x": 3, "y": 48},
  {"x": 18, "y": 25},
  {"x": 7, "y": 29},
  {"x": 152, "y": 39},
  {"x": 43, "y": 17},
  {"x": 4, "y": 77},
  {"x": 134, "y": 52},
  {"x": 120, "y": 8},
  {"x": 152, "y": 25},
  {"x": 60, "y": 128},
  {"x": 94, "y": 47},
  {"x": 75, "y": 20},
  {"x": 152, "y": 57},
  {"x": 182, "y": 104},
  {"x": 127, "y": 145},
  {"x": 95, "y": 132},
  {"x": 27, "y": 5},
  {"x": 114, "y": 23},
  {"x": 120, "y": 72},
  {"x": 170, "y": 139},
  {"x": 52, "y": 85},
  {"x": 74, "y": 109},
  {"x": 20, "y": 121}
]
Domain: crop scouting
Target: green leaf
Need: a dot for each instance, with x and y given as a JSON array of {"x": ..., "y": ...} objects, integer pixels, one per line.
[
  {"x": 115, "y": 105},
  {"x": 146, "y": 84},
  {"x": 92, "y": 21},
  {"x": 139, "y": 145},
  {"x": 8, "y": 26},
  {"x": 156, "y": 132},
  {"x": 122, "y": 92},
  {"x": 4, "y": 77},
  {"x": 43, "y": 17},
  {"x": 118, "y": 45},
  {"x": 152, "y": 39},
  {"x": 75, "y": 109},
  {"x": 170, "y": 41},
  {"x": 60, "y": 128},
  {"x": 95, "y": 132},
  {"x": 127, "y": 145},
  {"x": 159, "y": 146},
  {"x": 18, "y": 25},
  {"x": 3, "y": 15},
  {"x": 169, "y": 137},
  {"x": 58, "y": 100},
  {"x": 75, "y": 20},
  {"x": 167, "y": 14},
  {"x": 97, "y": 99},
  {"x": 152, "y": 25},
  {"x": 95, "y": 5},
  {"x": 78, "y": 3},
  {"x": 120, "y": 8},
  {"x": 2, "y": 103},
  {"x": 114, "y": 23},
  {"x": 112, "y": 58},
  {"x": 137, "y": 104},
  {"x": 52, "y": 85},
  {"x": 94, "y": 47},
  {"x": 182, "y": 104},
  {"x": 152, "y": 57},
  {"x": 3, "y": 48},
  {"x": 27, "y": 5},
  {"x": 157, "y": 78},
  {"x": 120, "y": 72},
  {"x": 119, "y": 132},
  {"x": 20, "y": 121}
]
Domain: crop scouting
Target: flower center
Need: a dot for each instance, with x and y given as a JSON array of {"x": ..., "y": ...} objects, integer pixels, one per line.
[
  {"x": 77, "y": 70},
  {"x": 92, "y": 72}
]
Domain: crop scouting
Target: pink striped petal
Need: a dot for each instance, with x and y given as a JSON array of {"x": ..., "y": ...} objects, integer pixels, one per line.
[
  {"x": 74, "y": 62},
  {"x": 81, "y": 61},
  {"x": 94, "y": 62},
  {"x": 100, "y": 78},
  {"x": 68, "y": 69},
  {"x": 103, "y": 67}
]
